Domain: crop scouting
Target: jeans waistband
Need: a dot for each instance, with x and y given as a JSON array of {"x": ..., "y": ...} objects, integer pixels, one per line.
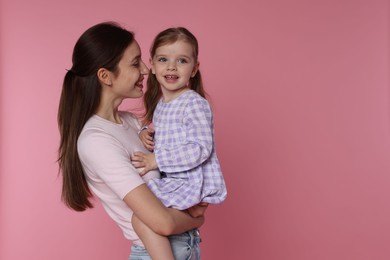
[{"x": 191, "y": 235}]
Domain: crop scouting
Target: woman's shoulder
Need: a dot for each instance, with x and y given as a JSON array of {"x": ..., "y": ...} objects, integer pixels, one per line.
[{"x": 100, "y": 126}]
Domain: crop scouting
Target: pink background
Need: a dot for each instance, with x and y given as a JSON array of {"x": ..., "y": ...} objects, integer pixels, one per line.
[{"x": 300, "y": 91}]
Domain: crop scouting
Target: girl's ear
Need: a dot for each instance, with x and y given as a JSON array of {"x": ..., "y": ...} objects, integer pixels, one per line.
[
  {"x": 152, "y": 66},
  {"x": 104, "y": 76},
  {"x": 195, "y": 69}
]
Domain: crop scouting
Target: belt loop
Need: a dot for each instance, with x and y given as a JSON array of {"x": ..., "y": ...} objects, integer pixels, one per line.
[{"x": 191, "y": 238}]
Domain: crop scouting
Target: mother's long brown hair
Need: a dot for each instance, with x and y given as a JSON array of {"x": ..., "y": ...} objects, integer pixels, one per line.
[{"x": 101, "y": 46}]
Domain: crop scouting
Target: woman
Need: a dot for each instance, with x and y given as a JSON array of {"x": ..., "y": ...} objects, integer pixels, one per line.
[{"x": 97, "y": 139}]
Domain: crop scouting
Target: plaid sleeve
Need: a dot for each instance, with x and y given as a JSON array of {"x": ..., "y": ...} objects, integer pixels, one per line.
[{"x": 197, "y": 145}]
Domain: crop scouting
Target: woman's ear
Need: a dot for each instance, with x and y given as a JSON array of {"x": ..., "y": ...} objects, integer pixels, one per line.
[
  {"x": 104, "y": 76},
  {"x": 195, "y": 69},
  {"x": 152, "y": 66}
]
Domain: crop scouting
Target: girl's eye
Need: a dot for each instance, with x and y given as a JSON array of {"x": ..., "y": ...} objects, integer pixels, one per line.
[
  {"x": 162, "y": 60},
  {"x": 182, "y": 61}
]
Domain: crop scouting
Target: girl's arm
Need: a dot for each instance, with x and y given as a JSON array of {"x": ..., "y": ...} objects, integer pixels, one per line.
[
  {"x": 146, "y": 137},
  {"x": 197, "y": 145},
  {"x": 142, "y": 160}
]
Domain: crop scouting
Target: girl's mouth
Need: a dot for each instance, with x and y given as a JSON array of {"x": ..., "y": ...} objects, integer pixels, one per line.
[{"x": 171, "y": 77}]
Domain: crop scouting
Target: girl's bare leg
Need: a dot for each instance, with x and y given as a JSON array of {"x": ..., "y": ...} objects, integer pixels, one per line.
[{"x": 157, "y": 246}]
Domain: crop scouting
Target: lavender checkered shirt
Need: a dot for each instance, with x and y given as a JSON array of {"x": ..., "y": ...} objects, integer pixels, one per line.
[{"x": 185, "y": 152}]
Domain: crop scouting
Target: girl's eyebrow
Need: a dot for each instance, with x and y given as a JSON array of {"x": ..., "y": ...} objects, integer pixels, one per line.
[
  {"x": 180, "y": 56},
  {"x": 185, "y": 56}
]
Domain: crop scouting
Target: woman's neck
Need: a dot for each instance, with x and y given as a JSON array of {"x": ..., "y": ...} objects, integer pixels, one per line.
[
  {"x": 112, "y": 116},
  {"x": 108, "y": 109}
]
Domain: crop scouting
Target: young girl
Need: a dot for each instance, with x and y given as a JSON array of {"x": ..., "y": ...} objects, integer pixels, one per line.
[{"x": 183, "y": 144}]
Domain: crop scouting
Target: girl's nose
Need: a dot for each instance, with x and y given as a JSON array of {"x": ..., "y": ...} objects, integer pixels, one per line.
[{"x": 171, "y": 66}]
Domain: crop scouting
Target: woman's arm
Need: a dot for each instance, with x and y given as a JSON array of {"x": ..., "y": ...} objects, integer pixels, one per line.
[
  {"x": 106, "y": 158},
  {"x": 163, "y": 221},
  {"x": 196, "y": 147},
  {"x": 152, "y": 221}
]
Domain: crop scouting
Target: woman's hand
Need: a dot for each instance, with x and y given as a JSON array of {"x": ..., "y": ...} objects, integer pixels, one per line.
[
  {"x": 198, "y": 210},
  {"x": 147, "y": 138},
  {"x": 146, "y": 161}
]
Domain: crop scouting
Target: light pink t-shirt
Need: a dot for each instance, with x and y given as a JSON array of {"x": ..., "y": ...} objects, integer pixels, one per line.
[{"x": 104, "y": 149}]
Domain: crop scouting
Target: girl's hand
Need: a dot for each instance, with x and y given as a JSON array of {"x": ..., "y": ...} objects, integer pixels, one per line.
[
  {"x": 147, "y": 138},
  {"x": 146, "y": 161},
  {"x": 198, "y": 210}
]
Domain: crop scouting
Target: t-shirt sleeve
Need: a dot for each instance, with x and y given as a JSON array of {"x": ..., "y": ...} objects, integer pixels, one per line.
[{"x": 106, "y": 160}]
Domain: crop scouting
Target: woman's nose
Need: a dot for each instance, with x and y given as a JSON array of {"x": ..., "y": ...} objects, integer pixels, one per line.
[{"x": 144, "y": 68}]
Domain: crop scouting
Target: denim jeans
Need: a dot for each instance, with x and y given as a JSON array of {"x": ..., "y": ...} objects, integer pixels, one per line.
[{"x": 184, "y": 247}]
